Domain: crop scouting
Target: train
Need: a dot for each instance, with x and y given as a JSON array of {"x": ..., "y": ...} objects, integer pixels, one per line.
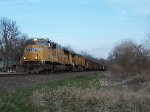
[{"x": 44, "y": 56}]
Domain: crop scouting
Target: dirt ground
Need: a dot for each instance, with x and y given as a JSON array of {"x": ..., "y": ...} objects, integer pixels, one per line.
[{"x": 14, "y": 82}]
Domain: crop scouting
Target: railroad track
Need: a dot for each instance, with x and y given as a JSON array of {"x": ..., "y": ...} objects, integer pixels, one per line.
[
  {"x": 8, "y": 74},
  {"x": 3, "y": 74}
]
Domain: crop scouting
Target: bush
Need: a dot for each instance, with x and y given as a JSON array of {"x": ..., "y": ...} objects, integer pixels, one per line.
[{"x": 128, "y": 58}]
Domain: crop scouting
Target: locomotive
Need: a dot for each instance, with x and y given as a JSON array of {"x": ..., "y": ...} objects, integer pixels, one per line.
[{"x": 43, "y": 56}]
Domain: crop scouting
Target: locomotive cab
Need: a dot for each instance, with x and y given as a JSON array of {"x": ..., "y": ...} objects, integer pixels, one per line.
[
  {"x": 36, "y": 52},
  {"x": 33, "y": 53}
]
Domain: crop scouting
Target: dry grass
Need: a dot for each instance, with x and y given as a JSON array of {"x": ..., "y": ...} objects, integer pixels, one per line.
[{"x": 92, "y": 100}]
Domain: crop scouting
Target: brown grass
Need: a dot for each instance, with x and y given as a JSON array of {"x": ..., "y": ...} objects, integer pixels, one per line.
[{"x": 80, "y": 100}]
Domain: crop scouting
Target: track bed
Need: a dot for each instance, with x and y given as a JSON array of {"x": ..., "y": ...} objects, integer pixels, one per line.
[{"x": 14, "y": 81}]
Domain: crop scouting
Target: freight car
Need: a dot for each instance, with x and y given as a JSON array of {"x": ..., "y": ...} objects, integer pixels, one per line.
[{"x": 44, "y": 56}]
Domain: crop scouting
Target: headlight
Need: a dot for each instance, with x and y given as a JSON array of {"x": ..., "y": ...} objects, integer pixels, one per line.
[
  {"x": 24, "y": 57},
  {"x": 36, "y": 57}
]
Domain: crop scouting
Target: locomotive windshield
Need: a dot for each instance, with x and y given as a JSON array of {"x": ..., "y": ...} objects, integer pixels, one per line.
[
  {"x": 41, "y": 43},
  {"x": 33, "y": 49}
]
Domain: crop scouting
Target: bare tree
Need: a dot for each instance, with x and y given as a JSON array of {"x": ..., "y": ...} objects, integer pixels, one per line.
[
  {"x": 17, "y": 47},
  {"x": 129, "y": 58},
  {"x": 8, "y": 31}
]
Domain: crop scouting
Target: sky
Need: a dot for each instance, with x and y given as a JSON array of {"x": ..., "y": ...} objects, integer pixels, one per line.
[{"x": 93, "y": 26}]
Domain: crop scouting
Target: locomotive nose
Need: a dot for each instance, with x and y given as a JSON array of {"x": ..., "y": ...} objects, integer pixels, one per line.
[
  {"x": 30, "y": 56},
  {"x": 32, "y": 53}
]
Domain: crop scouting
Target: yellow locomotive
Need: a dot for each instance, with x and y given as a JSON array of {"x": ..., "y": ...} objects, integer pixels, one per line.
[{"x": 46, "y": 56}]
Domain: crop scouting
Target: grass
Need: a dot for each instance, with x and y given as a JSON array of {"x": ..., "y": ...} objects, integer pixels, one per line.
[{"x": 95, "y": 93}]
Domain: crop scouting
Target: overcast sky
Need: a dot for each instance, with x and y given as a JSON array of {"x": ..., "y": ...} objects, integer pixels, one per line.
[{"x": 94, "y": 26}]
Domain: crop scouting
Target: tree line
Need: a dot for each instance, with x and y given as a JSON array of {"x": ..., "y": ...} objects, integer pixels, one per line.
[
  {"x": 12, "y": 41},
  {"x": 126, "y": 58}
]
